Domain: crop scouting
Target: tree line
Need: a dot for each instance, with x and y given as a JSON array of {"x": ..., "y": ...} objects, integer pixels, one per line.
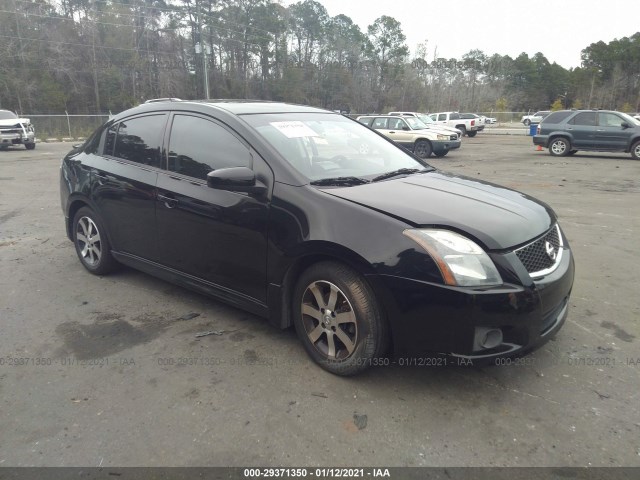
[{"x": 100, "y": 56}]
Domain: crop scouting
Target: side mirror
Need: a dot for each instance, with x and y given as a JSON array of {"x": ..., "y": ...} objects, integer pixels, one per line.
[
  {"x": 406, "y": 128},
  {"x": 235, "y": 179},
  {"x": 625, "y": 125}
]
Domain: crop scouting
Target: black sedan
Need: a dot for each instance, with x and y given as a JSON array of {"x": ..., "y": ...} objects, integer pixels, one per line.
[{"x": 277, "y": 209}]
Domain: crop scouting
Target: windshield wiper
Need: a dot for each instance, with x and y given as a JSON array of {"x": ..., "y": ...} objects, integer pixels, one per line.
[
  {"x": 341, "y": 181},
  {"x": 401, "y": 171}
]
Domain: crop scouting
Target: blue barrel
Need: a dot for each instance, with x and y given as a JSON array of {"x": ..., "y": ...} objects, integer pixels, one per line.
[{"x": 533, "y": 129}]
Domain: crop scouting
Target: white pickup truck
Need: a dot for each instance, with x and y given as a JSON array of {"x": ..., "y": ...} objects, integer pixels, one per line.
[
  {"x": 16, "y": 131},
  {"x": 467, "y": 126}
]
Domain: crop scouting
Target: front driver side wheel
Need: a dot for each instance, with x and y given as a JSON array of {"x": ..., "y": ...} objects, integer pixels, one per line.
[
  {"x": 338, "y": 319},
  {"x": 422, "y": 149}
]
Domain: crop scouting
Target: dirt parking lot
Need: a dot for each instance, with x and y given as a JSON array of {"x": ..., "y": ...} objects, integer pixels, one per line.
[{"x": 109, "y": 371}]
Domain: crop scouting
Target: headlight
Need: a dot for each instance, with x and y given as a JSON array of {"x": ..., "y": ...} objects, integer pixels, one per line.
[
  {"x": 461, "y": 261},
  {"x": 443, "y": 137}
]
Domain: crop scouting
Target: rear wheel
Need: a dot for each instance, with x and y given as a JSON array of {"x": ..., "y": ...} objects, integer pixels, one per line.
[
  {"x": 91, "y": 242},
  {"x": 30, "y": 146},
  {"x": 422, "y": 148},
  {"x": 527, "y": 122},
  {"x": 472, "y": 134},
  {"x": 463, "y": 130},
  {"x": 338, "y": 319},
  {"x": 635, "y": 150},
  {"x": 559, "y": 147}
]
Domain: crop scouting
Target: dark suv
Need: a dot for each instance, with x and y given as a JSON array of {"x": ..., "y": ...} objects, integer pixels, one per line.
[{"x": 567, "y": 131}]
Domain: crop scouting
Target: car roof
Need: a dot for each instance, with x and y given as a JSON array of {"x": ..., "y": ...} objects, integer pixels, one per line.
[{"x": 240, "y": 107}]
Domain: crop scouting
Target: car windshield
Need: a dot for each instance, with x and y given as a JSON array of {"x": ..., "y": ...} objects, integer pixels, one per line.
[
  {"x": 426, "y": 119},
  {"x": 415, "y": 123},
  {"x": 328, "y": 146},
  {"x": 7, "y": 115}
]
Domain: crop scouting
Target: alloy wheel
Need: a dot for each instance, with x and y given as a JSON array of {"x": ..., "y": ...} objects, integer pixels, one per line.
[
  {"x": 89, "y": 243},
  {"x": 329, "y": 320}
]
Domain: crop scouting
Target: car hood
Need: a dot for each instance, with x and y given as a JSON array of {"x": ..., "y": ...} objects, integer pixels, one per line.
[
  {"x": 498, "y": 217},
  {"x": 14, "y": 121},
  {"x": 441, "y": 130}
]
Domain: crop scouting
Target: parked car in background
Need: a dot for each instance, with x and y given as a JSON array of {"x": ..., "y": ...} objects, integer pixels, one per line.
[
  {"x": 362, "y": 253},
  {"x": 480, "y": 119},
  {"x": 565, "y": 132},
  {"x": 535, "y": 118},
  {"x": 426, "y": 119},
  {"x": 467, "y": 126},
  {"x": 412, "y": 134},
  {"x": 16, "y": 131},
  {"x": 637, "y": 116},
  {"x": 491, "y": 120}
]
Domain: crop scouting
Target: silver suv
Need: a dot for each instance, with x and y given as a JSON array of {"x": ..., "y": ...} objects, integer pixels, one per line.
[{"x": 412, "y": 134}]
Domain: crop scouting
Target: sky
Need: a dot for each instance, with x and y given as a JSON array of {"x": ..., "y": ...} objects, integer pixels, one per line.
[{"x": 559, "y": 29}]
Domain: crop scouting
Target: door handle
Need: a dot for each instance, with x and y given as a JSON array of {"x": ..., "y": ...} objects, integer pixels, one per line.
[{"x": 169, "y": 202}]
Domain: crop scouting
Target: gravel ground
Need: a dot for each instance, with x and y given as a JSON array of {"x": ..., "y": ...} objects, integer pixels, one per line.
[{"x": 109, "y": 372}]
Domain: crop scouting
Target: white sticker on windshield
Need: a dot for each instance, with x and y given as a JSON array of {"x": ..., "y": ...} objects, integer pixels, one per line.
[{"x": 294, "y": 129}]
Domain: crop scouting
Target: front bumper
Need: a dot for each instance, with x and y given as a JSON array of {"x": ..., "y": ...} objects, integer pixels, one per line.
[
  {"x": 427, "y": 318},
  {"x": 16, "y": 136},
  {"x": 441, "y": 146}
]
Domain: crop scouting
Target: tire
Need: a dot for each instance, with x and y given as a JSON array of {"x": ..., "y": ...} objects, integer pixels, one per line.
[
  {"x": 463, "y": 130},
  {"x": 441, "y": 154},
  {"x": 472, "y": 134},
  {"x": 337, "y": 319},
  {"x": 30, "y": 146},
  {"x": 559, "y": 147},
  {"x": 91, "y": 242},
  {"x": 527, "y": 122},
  {"x": 422, "y": 148},
  {"x": 635, "y": 150}
]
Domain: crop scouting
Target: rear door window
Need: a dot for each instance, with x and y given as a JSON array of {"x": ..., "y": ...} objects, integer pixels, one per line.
[
  {"x": 137, "y": 139},
  {"x": 584, "y": 118},
  {"x": 380, "y": 123}
]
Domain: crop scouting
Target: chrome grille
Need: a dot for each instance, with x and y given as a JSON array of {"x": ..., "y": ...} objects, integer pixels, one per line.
[{"x": 542, "y": 256}]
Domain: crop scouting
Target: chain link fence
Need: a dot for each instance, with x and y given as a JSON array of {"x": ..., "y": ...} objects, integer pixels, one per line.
[{"x": 59, "y": 127}]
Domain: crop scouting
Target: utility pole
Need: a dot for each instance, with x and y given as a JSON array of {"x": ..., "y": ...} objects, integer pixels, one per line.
[{"x": 202, "y": 46}]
